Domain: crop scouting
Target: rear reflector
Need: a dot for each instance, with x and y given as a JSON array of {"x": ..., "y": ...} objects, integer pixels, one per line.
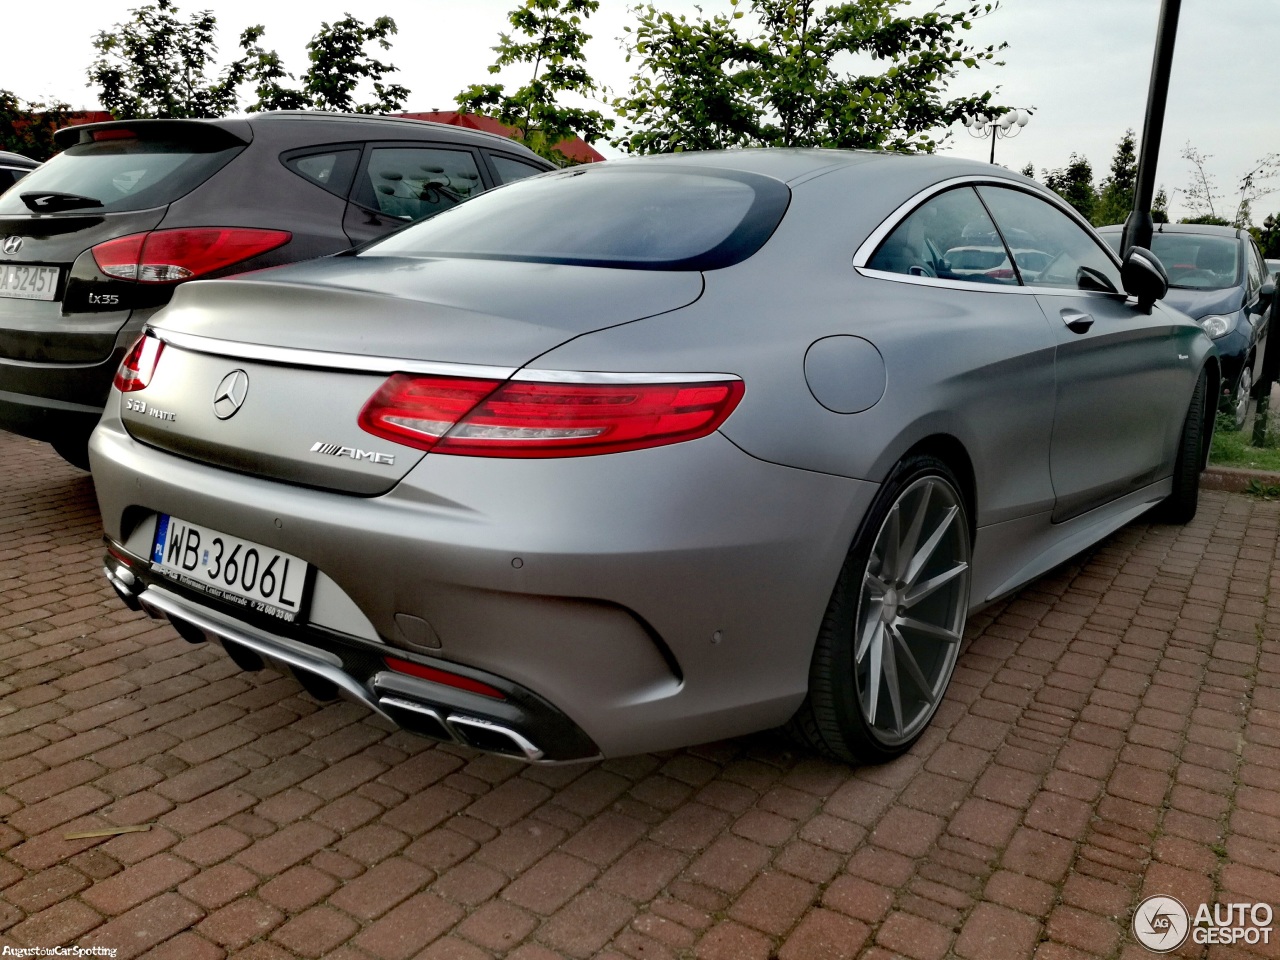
[
  {"x": 139, "y": 364},
  {"x": 495, "y": 418},
  {"x": 444, "y": 677},
  {"x": 171, "y": 256}
]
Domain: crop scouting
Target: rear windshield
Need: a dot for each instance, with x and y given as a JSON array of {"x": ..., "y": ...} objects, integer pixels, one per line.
[
  {"x": 122, "y": 174},
  {"x": 611, "y": 215}
]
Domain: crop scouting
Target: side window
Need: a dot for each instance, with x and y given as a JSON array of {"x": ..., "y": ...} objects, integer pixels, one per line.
[
  {"x": 509, "y": 168},
  {"x": 1050, "y": 249},
  {"x": 949, "y": 237},
  {"x": 413, "y": 183},
  {"x": 1257, "y": 270},
  {"x": 330, "y": 170}
]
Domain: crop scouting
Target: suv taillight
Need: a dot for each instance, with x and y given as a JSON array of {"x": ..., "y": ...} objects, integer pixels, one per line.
[
  {"x": 139, "y": 364},
  {"x": 514, "y": 418},
  {"x": 171, "y": 256}
]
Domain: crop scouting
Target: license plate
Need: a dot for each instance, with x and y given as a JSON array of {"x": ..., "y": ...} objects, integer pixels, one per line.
[
  {"x": 27, "y": 282},
  {"x": 228, "y": 568}
]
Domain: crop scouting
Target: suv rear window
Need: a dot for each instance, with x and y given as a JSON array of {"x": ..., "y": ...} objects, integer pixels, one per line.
[
  {"x": 640, "y": 217},
  {"x": 124, "y": 173}
]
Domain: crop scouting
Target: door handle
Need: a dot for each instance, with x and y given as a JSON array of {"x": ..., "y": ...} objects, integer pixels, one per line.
[{"x": 1076, "y": 321}]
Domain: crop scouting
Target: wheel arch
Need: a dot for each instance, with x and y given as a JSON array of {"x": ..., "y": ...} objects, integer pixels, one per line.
[
  {"x": 1213, "y": 369},
  {"x": 953, "y": 453}
]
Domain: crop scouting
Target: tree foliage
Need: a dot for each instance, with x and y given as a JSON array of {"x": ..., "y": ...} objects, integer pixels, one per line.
[
  {"x": 1206, "y": 202},
  {"x": 158, "y": 64},
  {"x": 553, "y": 46},
  {"x": 27, "y": 128},
  {"x": 1269, "y": 237},
  {"x": 1074, "y": 183},
  {"x": 1115, "y": 193},
  {"x": 703, "y": 83},
  {"x": 1111, "y": 201},
  {"x": 338, "y": 64}
]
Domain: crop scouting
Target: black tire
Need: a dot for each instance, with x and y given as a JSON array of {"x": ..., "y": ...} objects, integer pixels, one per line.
[
  {"x": 1180, "y": 506},
  {"x": 73, "y": 448},
  {"x": 833, "y": 720}
]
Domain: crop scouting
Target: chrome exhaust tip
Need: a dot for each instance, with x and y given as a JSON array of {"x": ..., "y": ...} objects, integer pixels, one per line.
[{"x": 121, "y": 581}]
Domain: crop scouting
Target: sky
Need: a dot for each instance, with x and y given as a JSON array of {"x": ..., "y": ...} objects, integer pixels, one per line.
[{"x": 1082, "y": 66}]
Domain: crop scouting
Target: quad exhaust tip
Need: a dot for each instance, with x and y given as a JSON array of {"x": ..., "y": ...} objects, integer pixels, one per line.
[{"x": 481, "y": 734}]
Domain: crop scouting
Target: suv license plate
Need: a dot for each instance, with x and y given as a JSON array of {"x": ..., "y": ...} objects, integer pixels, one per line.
[
  {"x": 228, "y": 568},
  {"x": 26, "y": 282}
]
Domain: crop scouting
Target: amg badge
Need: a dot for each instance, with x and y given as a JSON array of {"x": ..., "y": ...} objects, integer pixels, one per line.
[{"x": 355, "y": 453}]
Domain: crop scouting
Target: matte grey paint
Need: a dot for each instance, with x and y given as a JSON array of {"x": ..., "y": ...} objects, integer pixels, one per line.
[
  {"x": 845, "y": 374},
  {"x": 723, "y": 551}
]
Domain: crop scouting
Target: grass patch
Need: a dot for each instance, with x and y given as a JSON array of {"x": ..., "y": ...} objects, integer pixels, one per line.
[{"x": 1231, "y": 448}]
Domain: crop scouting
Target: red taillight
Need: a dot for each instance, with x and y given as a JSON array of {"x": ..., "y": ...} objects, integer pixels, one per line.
[
  {"x": 444, "y": 677},
  {"x": 139, "y": 364},
  {"x": 170, "y": 256},
  {"x": 494, "y": 418}
]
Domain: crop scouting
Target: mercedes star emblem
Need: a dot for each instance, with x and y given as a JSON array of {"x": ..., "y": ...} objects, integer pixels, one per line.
[
  {"x": 12, "y": 245},
  {"x": 229, "y": 397}
]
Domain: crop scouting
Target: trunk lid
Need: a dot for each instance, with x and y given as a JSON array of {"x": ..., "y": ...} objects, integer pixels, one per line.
[
  {"x": 313, "y": 342},
  {"x": 55, "y": 330}
]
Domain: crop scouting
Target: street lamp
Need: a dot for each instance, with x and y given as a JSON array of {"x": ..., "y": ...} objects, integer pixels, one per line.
[{"x": 1006, "y": 125}]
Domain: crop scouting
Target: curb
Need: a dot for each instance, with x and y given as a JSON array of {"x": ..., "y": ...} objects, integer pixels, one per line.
[{"x": 1236, "y": 479}]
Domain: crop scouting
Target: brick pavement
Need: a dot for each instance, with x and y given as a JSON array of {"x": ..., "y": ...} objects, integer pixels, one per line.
[{"x": 1113, "y": 731}]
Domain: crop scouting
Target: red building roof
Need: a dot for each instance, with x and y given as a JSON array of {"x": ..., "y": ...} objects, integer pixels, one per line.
[{"x": 575, "y": 149}]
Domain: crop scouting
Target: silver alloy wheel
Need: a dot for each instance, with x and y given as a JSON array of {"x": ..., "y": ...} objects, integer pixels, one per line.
[
  {"x": 1243, "y": 388},
  {"x": 911, "y": 610}
]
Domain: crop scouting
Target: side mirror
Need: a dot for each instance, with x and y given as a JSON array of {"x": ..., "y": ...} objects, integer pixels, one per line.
[
  {"x": 1144, "y": 277},
  {"x": 1268, "y": 288}
]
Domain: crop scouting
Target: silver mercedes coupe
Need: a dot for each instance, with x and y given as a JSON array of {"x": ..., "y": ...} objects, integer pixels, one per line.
[{"x": 654, "y": 452}]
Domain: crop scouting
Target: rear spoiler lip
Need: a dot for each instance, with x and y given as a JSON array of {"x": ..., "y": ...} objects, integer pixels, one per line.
[{"x": 234, "y": 130}]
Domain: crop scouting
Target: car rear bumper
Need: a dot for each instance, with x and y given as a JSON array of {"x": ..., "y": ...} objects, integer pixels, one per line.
[{"x": 653, "y": 599}]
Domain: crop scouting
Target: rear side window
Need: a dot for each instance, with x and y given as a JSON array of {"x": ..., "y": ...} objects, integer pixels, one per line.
[
  {"x": 509, "y": 168},
  {"x": 640, "y": 217},
  {"x": 123, "y": 173},
  {"x": 411, "y": 183},
  {"x": 330, "y": 169},
  {"x": 949, "y": 237}
]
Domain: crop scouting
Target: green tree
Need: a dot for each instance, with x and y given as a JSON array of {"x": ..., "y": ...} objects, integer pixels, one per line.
[
  {"x": 27, "y": 128},
  {"x": 1074, "y": 183},
  {"x": 338, "y": 64},
  {"x": 553, "y": 46},
  {"x": 1160, "y": 207},
  {"x": 158, "y": 65},
  {"x": 701, "y": 83},
  {"x": 1029, "y": 171},
  {"x": 1269, "y": 237},
  {"x": 1115, "y": 194}
]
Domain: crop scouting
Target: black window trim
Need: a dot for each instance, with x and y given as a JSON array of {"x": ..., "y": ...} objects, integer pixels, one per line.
[{"x": 872, "y": 243}]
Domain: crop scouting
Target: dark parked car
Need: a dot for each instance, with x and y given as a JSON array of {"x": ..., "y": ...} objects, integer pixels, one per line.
[
  {"x": 654, "y": 451},
  {"x": 13, "y": 167},
  {"x": 1217, "y": 276},
  {"x": 95, "y": 240}
]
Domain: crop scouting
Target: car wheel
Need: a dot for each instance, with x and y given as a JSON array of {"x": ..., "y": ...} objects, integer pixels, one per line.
[
  {"x": 1180, "y": 505},
  {"x": 891, "y": 633},
  {"x": 74, "y": 449},
  {"x": 1240, "y": 399}
]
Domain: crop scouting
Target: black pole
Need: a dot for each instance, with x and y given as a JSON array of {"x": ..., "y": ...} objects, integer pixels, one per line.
[
  {"x": 1139, "y": 227},
  {"x": 993, "y": 143}
]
